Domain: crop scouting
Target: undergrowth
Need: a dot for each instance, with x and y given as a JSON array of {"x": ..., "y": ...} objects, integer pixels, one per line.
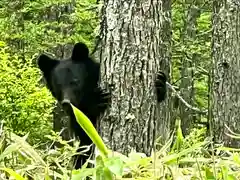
[{"x": 179, "y": 158}]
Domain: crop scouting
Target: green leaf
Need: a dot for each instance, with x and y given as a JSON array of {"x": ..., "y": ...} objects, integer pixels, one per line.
[
  {"x": 115, "y": 165},
  {"x": 13, "y": 174},
  {"x": 90, "y": 130},
  {"x": 209, "y": 174}
]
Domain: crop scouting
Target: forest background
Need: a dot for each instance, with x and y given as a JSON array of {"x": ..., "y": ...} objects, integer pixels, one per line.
[{"x": 199, "y": 51}]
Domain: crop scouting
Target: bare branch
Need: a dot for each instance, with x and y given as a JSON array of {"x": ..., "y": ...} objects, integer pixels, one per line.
[{"x": 184, "y": 102}]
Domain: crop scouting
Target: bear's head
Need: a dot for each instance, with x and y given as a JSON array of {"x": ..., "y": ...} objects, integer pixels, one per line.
[{"x": 72, "y": 80}]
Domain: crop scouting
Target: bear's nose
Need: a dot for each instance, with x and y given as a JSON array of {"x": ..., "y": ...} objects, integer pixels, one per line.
[{"x": 65, "y": 102}]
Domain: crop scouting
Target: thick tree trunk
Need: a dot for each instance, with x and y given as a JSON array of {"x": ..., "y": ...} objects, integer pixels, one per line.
[
  {"x": 226, "y": 79},
  {"x": 134, "y": 44}
]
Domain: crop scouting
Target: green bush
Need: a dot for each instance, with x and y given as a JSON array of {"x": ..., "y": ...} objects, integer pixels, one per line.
[
  {"x": 24, "y": 105},
  {"x": 28, "y": 30}
]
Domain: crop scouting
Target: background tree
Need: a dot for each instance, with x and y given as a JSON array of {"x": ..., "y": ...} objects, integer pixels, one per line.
[
  {"x": 191, "y": 60},
  {"x": 188, "y": 33},
  {"x": 226, "y": 77},
  {"x": 135, "y": 42}
]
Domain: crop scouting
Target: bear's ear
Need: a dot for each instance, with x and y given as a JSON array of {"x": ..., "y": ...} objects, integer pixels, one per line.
[
  {"x": 80, "y": 52},
  {"x": 46, "y": 64}
]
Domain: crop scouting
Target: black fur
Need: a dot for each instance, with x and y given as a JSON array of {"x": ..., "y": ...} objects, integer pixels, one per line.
[{"x": 160, "y": 85}]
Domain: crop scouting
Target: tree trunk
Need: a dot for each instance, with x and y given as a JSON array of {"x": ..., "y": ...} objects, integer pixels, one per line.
[
  {"x": 135, "y": 41},
  {"x": 226, "y": 79},
  {"x": 188, "y": 59}
]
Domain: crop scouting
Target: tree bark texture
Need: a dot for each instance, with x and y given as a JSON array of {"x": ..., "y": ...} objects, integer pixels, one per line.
[
  {"x": 135, "y": 41},
  {"x": 226, "y": 65}
]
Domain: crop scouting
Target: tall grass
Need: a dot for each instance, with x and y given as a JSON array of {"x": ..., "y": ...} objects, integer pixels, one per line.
[{"x": 179, "y": 158}]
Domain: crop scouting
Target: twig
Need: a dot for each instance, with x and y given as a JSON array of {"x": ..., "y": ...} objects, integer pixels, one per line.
[{"x": 184, "y": 102}]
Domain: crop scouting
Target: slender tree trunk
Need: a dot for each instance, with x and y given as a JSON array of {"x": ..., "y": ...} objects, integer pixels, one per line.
[
  {"x": 188, "y": 35},
  {"x": 135, "y": 43},
  {"x": 226, "y": 79}
]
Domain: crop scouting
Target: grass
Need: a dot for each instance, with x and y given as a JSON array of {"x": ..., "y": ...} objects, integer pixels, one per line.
[
  {"x": 179, "y": 158},
  {"x": 192, "y": 160}
]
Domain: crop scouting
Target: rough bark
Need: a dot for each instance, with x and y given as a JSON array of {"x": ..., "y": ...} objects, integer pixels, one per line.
[
  {"x": 226, "y": 79},
  {"x": 134, "y": 44}
]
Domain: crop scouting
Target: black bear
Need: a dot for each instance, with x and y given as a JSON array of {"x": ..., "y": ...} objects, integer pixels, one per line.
[{"x": 75, "y": 80}]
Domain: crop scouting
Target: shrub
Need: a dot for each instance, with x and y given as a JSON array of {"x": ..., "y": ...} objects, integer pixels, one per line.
[{"x": 24, "y": 105}]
